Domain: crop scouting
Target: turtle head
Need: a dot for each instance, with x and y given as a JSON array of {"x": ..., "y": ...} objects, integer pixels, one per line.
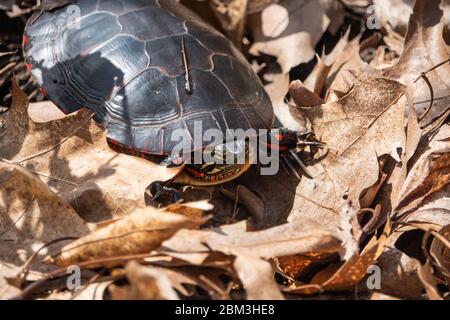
[{"x": 220, "y": 164}]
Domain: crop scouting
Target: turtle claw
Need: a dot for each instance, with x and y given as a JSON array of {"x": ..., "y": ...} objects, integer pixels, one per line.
[
  {"x": 162, "y": 194},
  {"x": 288, "y": 166},
  {"x": 301, "y": 164}
]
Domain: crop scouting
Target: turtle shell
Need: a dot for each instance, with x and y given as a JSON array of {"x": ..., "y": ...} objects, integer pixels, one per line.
[{"x": 123, "y": 60}]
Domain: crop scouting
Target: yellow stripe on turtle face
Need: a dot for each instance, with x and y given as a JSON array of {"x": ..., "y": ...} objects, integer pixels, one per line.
[{"x": 218, "y": 174}]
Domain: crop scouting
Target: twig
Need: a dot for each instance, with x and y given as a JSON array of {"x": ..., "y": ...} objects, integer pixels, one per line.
[{"x": 7, "y": 67}]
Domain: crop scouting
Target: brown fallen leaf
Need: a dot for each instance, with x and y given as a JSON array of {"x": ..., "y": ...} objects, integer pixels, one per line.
[
  {"x": 31, "y": 215},
  {"x": 251, "y": 249},
  {"x": 232, "y": 16},
  {"x": 425, "y": 190},
  {"x": 343, "y": 59},
  {"x": 399, "y": 273},
  {"x": 257, "y": 277},
  {"x": 72, "y": 156},
  {"x": 92, "y": 291},
  {"x": 145, "y": 283},
  {"x": 396, "y": 13},
  {"x": 44, "y": 111},
  {"x": 288, "y": 30},
  {"x": 302, "y": 96},
  {"x": 441, "y": 254},
  {"x": 382, "y": 296},
  {"x": 7, "y": 291},
  {"x": 360, "y": 127},
  {"x": 287, "y": 239},
  {"x": 429, "y": 281},
  {"x": 425, "y": 49},
  {"x": 345, "y": 276},
  {"x": 255, "y": 6},
  {"x": 138, "y": 233}
]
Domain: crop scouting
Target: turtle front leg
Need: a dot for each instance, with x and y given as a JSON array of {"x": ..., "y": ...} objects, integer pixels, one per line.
[{"x": 162, "y": 193}]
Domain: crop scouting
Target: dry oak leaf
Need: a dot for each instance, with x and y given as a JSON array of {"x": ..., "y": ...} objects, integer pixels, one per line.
[
  {"x": 31, "y": 215},
  {"x": 345, "y": 276},
  {"x": 232, "y": 17},
  {"x": 424, "y": 49},
  {"x": 145, "y": 283},
  {"x": 7, "y": 291},
  {"x": 288, "y": 30},
  {"x": 288, "y": 239},
  {"x": 252, "y": 250},
  {"x": 332, "y": 70},
  {"x": 137, "y": 233},
  {"x": 441, "y": 253},
  {"x": 425, "y": 194},
  {"x": 429, "y": 281},
  {"x": 255, "y": 6},
  {"x": 397, "y": 14},
  {"x": 91, "y": 291},
  {"x": 366, "y": 123},
  {"x": 399, "y": 273},
  {"x": 72, "y": 156}
]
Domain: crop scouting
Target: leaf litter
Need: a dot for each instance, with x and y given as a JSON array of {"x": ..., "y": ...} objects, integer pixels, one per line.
[{"x": 377, "y": 99}]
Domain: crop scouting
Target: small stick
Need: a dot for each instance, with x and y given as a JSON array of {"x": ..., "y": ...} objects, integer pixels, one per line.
[{"x": 186, "y": 67}]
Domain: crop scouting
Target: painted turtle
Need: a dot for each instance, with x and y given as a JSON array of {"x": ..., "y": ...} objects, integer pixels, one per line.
[{"x": 148, "y": 68}]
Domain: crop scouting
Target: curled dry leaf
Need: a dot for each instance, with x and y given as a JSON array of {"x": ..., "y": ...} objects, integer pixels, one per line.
[
  {"x": 138, "y": 233},
  {"x": 31, "y": 215},
  {"x": 396, "y": 13},
  {"x": 399, "y": 274},
  {"x": 288, "y": 30},
  {"x": 429, "y": 281},
  {"x": 287, "y": 239},
  {"x": 145, "y": 283},
  {"x": 251, "y": 249},
  {"x": 257, "y": 277},
  {"x": 346, "y": 275},
  {"x": 72, "y": 156},
  {"x": 441, "y": 254},
  {"x": 44, "y": 111},
  {"x": 425, "y": 49},
  {"x": 302, "y": 96},
  {"x": 424, "y": 195},
  {"x": 92, "y": 291},
  {"x": 364, "y": 124},
  {"x": 6, "y": 4},
  {"x": 232, "y": 16},
  {"x": 255, "y": 6},
  {"x": 7, "y": 291},
  {"x": 343, "y": 59}
]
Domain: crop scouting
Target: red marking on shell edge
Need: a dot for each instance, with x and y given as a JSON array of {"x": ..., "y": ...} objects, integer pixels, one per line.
[
  {"x": 24, "y": 40},
  {"x": 195, "y": 173},
  {"x": 277, "y": 147},
  {"x": 279, "y": 137},
  {"x": 28, "y": 67}
]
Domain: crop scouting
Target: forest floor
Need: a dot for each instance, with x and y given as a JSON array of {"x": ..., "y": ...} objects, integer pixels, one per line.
[{"x": 371, "y": 79}]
